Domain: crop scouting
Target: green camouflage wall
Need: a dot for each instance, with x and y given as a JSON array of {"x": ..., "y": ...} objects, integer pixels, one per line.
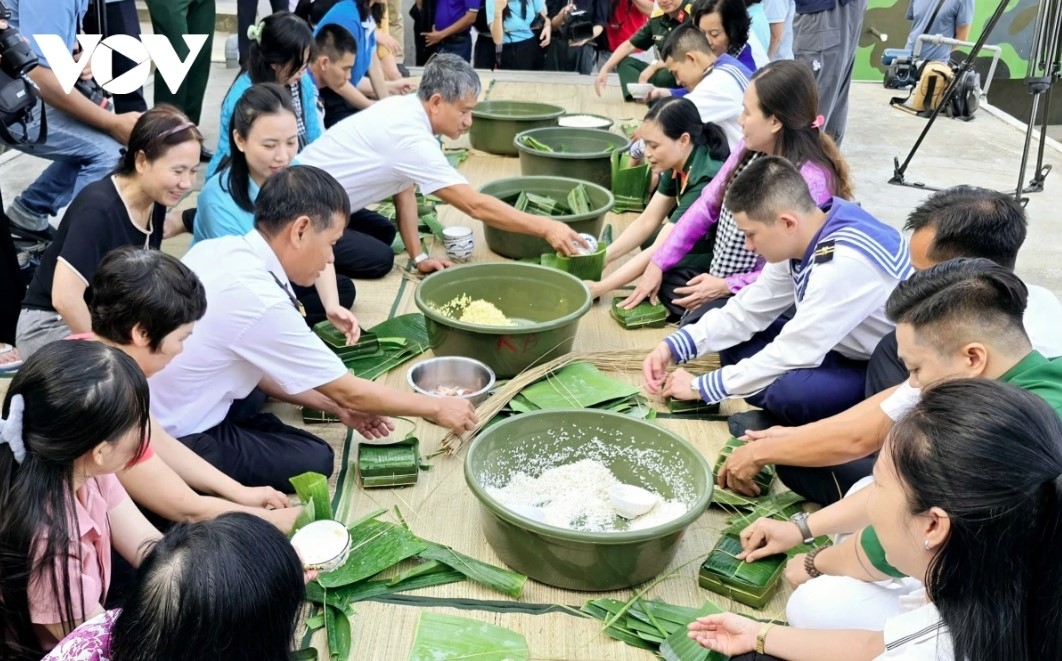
[{"x": 1013, "y": 33}]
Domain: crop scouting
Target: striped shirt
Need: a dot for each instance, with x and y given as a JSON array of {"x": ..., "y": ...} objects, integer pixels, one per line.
[{"x": 917, "y": 633}]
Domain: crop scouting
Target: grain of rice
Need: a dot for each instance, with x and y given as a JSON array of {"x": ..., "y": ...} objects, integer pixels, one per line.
[{"x": 474, "y": 311}]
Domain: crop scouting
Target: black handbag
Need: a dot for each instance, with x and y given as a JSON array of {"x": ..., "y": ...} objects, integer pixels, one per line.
[{"x": 18, "y": 98}]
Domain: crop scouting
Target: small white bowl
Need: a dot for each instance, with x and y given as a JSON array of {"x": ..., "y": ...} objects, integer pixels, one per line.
[
  {"x": 630, "y": 501},
  {"x": 639, "y": 90},
  {"x": 591, "y": 242},
  {"x": 322, "y": 545}
]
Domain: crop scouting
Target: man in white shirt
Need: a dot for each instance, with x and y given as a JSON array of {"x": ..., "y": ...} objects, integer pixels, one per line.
[
  {"x": 837, "y": 264},
  {"x": 388, "y": 149},
  {"x": 254, "y": 343}
]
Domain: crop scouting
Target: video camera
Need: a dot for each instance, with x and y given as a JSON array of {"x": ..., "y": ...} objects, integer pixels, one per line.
[
  {"x": 18, "y": 95},
  {"x": 902, "y": 69}
]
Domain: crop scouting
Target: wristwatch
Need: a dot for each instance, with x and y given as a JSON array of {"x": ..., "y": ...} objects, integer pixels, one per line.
[
  {"x": 801, "y": 521},
  {"x": 420, "y": 258}
]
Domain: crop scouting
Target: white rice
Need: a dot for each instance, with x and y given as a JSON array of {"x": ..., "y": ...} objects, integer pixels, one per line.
[{"x": 582, "y": 121}]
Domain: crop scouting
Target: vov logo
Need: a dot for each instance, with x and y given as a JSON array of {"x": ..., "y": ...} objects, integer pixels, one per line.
[{"x": 99, "y": 51}]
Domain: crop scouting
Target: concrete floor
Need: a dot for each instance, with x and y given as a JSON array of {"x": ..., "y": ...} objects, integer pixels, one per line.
[{"x": 984, "y": 152}]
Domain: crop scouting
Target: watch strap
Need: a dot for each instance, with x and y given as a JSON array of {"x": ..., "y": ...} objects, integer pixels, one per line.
[
  {"x": 801, "y": 521},
  {"x": 761, "y": 637}
]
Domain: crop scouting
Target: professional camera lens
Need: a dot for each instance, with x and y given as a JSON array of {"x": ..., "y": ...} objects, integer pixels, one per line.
[{"x": 16, "y": 58}]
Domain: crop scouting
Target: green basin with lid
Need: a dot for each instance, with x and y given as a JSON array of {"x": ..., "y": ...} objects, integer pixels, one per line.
[
  {"x": 496, "y": 123},
  {"x": 636, "y": 451},
  {"x": 546, "y": 303},
  {"x": 521, "y": 246},
  {"x": 578, "y": 153}
]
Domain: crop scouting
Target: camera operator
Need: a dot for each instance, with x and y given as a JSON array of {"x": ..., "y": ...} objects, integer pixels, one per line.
[
  {"x": 952, "y": 19},
  {"x": 83, "y": 136},
  {"x": 576, "y": 26}
]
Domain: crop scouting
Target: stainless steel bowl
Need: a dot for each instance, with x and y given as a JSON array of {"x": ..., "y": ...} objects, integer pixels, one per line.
[{"x": 452, "y": 372}]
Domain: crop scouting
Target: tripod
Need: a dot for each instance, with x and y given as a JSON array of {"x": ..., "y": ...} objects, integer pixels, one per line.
[
  {"x": 1046, "y": 37},
  {"x": 1044, "y": 69}
]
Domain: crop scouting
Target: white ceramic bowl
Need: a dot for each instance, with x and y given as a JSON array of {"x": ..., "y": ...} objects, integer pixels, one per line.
[
  {"x": 322, "y": 545},
  {"x": 639, "y": 90}
]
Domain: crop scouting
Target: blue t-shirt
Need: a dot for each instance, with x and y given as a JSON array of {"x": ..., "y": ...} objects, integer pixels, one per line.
[
  {"x": 60, "y": 17},
  {"x": 345, "y": 13},
  {"x": 760, "y": 28},
  {"x": 218, "y": 214},
  {"x": 518, "y": 26},
  {"x": 781, "y": 11},
  {"x": 951, "y": 15}
]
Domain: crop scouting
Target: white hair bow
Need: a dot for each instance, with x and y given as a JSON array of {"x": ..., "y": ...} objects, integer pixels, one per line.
[{"x": 11, "y": 428}]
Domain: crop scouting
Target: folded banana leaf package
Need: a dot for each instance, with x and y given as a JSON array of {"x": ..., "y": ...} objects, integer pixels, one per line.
[
  {"x": 750, "y": 583},
  {"x": 381, "y": 348},
  {"x": 643, "y": 315},
  {"x": 389, "y": 465},
  {"x": 630, "y": 185},
  {"x": 727, "y": 498}
]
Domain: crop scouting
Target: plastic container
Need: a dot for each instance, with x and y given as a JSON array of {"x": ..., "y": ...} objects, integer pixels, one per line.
[
  {"x": 578, "y": 153},
  {"x": 576, "y": 560},
  {"x": 546, "y": 303},
  {"x": 496, "y": 123},
  {"x": 522, "y": 246}
]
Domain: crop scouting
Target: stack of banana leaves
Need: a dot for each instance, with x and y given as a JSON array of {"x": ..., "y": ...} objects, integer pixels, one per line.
[
  {"x": 389, "y": 464},
  {"x": 385, "y": 558},
  {"x": 532, "y": 143},
  {"x": 654, "y": 625},
  {"x": 443, "y": 637},
  {"x": 578, "y": 202},
  {"x": 644, "y": 315},
  {"x": 630, "y": 183},
  {"x": 430, "y": 227},
  {"x": 580, "y": 385},
  {"x": 380, "y": 348}
]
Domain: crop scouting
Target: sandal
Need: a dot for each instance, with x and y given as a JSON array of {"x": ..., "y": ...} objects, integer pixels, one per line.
[{"x": 9, "y": 363}]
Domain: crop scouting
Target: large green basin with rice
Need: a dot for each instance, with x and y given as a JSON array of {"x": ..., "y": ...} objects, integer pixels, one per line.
[
  {"x": 636, "y": 451},
  {"x": 496, "y": 123},
  {"x": 522, "y": 246},
  {"x": 578, "y": 153},
  {"x": 546, "y": 303}
]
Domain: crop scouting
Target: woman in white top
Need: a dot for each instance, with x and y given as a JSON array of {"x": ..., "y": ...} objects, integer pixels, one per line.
[{"x": 966, "y": 495}]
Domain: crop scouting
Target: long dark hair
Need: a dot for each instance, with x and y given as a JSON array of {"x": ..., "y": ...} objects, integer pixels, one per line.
[
  {"x": 257, "y": 100},
  {"x": 787, "y": 92},
  {"x": 286, "y": 41},
  {"x": 77, "y": 394},
  {"x": 154, "y": 133},
  {"x": 732, "y": 14},
  {"x": 229, "y": 588},
  {"x": 989, "y": 455},
  {"x": 677, "y": 115}
]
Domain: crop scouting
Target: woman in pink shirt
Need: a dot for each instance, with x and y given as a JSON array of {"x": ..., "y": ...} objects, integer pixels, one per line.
[
  {"x": 779, "y": 118},
  {"x": 76, "y": 413}
]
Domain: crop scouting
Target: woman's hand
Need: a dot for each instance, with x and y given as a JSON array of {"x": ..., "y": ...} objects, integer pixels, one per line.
[
  {"x": 546, "y": 32},
  {"x": 600, "y": 82},
  {"x": 648, "y": 287},
  {"x": 400, "y": 86},
  {"x": 727, "y": 634},
  {"x": 700, "y": 290},
  {"x": 345, "y": 321},
  {"x": 767, "y": 537},
  {"x": 795, "y": 573},
  {"x": 266, "y": 497}
]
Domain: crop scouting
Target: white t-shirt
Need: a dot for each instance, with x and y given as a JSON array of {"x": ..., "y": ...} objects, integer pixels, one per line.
[
  {"x": 251, "y": 330},
  {"x": 718, "y": 99},
  {"x": 917, "y": 633},
  {"x": 381, "y": 151}
]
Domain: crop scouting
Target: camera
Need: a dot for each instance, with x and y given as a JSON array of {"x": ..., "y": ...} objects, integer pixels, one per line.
[
  {"x": 902, "y": 69},
  {"x": 16, "y": 58}
]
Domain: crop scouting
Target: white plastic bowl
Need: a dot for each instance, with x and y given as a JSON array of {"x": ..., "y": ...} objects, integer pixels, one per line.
[
  {"x": 322, "y": 545},
  {"x": 639, "y": 90}
]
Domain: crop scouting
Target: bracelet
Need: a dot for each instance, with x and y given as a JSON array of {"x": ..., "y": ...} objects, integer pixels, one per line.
[
  {"x": 809, "y": 562},
  {"x": 420, "y": 258},
  {"x": 761, "y": 637}
]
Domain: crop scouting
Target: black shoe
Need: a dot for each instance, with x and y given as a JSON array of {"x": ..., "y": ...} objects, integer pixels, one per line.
[
  {"x": 205, "y": 155},
  {"x": 739, "y": 423}
]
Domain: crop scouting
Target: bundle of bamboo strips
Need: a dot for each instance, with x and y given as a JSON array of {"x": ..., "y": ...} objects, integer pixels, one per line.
[{"x": 620, "y": 360}]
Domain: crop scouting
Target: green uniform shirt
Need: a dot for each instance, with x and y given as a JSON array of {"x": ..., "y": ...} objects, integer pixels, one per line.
[
  {"x": 658, "y": 28},
  {"x": 1034, "y": 373},
  {"x": 698, "y": 171}
]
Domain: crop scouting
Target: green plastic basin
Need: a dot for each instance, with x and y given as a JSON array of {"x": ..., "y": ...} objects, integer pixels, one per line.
[
  {"x": 578, "y": 153},
  {"x": 548, "y": 304},
  {"x": 496, "y": 123},
  {"x": 521, "y": 246},
  {"x": 636, "y": 451}
]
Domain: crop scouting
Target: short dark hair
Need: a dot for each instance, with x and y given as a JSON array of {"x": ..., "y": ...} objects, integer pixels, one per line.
[
  {"x": 684, "y": 39},
  {"x": 143, "y": 287},
  {"x": 952, "y": 300},
  {"x": 231, "y": 586},
  {"x": 972, "y": 222},
  {"x": 768, "y": 186},
  {"x": 334, "y": 41},
  {"x": 301, "y": 190}
]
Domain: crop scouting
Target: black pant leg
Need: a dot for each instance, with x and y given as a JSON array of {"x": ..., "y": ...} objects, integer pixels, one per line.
[
  {"x": 886, "y": 369},
  {"x": 364, "y": 251},
  {"x": 121, "y": 18},
  {"x": 311, "y": 301},
  {"x": 336, "y": 107},
  {"x": 828, "y": 484},
  {"x": 14, "y": 288}
]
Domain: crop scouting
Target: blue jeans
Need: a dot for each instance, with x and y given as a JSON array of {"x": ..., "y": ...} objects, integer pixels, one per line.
[
  {"x": 80, "y": 155},
  {"x": 459, "y": 45}
]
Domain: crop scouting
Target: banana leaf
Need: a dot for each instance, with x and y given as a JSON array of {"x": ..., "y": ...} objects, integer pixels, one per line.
[
  {"x": 630, "y": 185},
  {"x": 644, "y": 623},
  {"x": 456, "y": 156},
  {"x": 579, "y": 200},
  {"x": 584, "y": 267},
  {"x": 391, "y": 465},
  {"x": 316, "y": 416},
  {"x": 364, "y": 590},
  {"x": 643, "y": 315},
  {"x": 531, "y": 143},
  {"x": 312, "y": 489},
  {"x": 402, "y": 338},
  {"x": 337, "y": 628},
  {"x": 727, "y": 498},
  {"x": 606, "y": 235},
  {"x": 680, "y": 647},
  {"x": 493, "y": 577},
  {"x": 375, "y": 546},
  {"x": 441, "y": 637},
  {"x": 578, "y": 385},
  {"x": 520, "y": 404},
  {"x": 750, "y": 583},
  {"x": 780, "y": 506},
  {"x": 429, "y": 567},
  {"x": 691, "y": 407},
  {"x": 332, "y": 336}
]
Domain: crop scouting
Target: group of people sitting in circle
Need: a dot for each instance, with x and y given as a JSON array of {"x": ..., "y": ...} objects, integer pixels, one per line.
[{"x": 138, "y": 463}]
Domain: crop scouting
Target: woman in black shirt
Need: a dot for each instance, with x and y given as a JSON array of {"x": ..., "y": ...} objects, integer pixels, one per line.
[{"x": 126, "y": 209}]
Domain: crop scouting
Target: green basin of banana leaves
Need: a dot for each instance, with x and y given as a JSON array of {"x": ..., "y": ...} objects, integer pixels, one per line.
[
  {"x": 579, "y": 153},
  {"x": 573, "y": 559},
  {"x": 496, "y": 123}
]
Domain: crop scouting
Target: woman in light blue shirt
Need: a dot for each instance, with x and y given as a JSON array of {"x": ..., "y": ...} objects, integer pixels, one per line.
[
  {"x": 522, "y": 42},
  {"x": 264, "y": 140}
]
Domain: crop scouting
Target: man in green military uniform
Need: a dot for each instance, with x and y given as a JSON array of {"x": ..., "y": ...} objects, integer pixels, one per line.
[{"x": 669, "y": 15}]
